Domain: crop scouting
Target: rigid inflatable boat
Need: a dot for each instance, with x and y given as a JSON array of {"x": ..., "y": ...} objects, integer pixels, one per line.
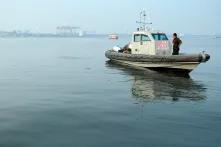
[{"x": 153, "y": 50}]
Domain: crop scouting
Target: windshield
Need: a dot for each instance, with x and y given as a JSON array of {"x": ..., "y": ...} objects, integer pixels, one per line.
[{"x": 159, "y": 37}]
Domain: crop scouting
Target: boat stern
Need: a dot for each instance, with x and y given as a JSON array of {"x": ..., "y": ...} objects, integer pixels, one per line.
[{"x": 204, "y": 57}]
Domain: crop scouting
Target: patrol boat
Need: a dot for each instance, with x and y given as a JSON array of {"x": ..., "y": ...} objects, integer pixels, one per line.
[{"x": 153, "y": 50}]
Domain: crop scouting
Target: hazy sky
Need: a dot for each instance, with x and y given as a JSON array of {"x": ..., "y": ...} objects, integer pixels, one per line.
[{"x": 186, "y": 16}]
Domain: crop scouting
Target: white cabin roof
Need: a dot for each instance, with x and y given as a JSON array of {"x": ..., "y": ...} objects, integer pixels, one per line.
[{"x": 149, "y": 32}]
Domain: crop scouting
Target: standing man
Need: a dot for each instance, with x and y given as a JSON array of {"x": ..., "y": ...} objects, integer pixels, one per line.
[{"x": 176, "y": 44}]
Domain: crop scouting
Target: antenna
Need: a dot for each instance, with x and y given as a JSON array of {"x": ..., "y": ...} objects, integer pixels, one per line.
[{"x": 142, "y": 22}]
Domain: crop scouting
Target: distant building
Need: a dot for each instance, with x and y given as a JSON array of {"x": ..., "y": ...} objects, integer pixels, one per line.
[{"x": 69, "y": 31}]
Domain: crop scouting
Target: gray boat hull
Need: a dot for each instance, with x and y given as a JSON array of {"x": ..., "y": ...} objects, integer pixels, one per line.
[{"x": 177, "y": 63}]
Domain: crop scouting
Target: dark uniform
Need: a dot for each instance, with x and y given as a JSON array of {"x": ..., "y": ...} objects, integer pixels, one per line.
[{"x": 176, "y": 46}]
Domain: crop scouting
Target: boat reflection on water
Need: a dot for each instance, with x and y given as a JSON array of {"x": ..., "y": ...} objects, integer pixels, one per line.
[{"x": 152, "y": 86}]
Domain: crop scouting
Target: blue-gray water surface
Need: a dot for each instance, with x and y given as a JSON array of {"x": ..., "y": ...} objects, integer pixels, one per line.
[{"x": 62, "y": 92}]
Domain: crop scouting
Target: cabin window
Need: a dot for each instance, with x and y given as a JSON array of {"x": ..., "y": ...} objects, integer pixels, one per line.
[
  {"x": 137, "y": 38},
  {"x": 145, "y": 38},
  {"x": 159, "y": 37}
]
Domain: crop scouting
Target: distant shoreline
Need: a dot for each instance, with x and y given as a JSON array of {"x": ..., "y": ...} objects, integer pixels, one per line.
[
  {"x": 4, "y": 34},
  {"x": 55, "y": 36}
]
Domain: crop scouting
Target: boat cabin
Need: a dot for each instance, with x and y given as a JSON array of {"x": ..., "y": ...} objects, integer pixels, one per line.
[{"x": 150, "y": 43}]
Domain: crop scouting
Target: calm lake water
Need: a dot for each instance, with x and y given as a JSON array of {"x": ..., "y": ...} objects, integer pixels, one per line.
[{"x": 62, "y": 92}]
